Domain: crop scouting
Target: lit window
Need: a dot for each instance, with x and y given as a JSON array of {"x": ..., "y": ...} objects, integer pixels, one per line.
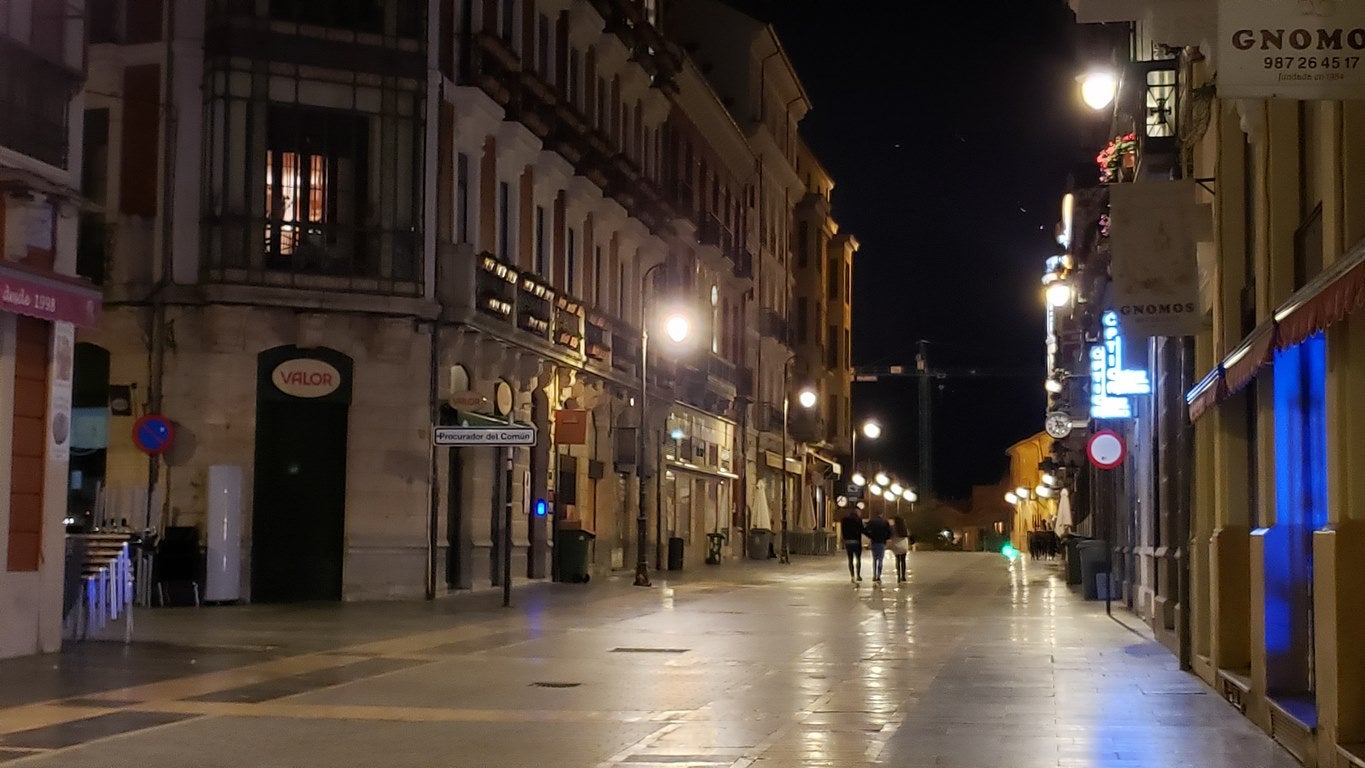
[{"x": 295, "y": 200}]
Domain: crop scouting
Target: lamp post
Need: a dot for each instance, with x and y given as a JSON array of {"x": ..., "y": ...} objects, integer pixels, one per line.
[
  {"x": 807, "y": 399},
  {"x": 871, "y": 430},
  {"x": 677, "y": 329}
]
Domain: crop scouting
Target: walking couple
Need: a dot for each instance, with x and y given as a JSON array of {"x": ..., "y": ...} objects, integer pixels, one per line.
[{"x": 879, "y": 532}]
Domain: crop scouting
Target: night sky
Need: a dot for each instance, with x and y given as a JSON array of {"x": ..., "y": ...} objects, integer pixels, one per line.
[{"x": 950, "y": 130}]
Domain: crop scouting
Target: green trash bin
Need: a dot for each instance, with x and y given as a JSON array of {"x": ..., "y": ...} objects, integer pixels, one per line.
[{"x": 571, "y": 549}]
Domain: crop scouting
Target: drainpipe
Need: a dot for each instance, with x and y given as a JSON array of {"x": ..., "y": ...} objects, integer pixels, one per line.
[{"x": 156, "y": 352}]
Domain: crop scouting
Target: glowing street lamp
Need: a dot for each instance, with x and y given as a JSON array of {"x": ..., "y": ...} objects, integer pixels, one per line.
[
  {"x": 859, "y": 480},
  {"x": 882, "y": 479},
  {"x": 806, "y": 398},
  {"x": 676, "y": 328},
  {"x": 1098, "y": 89}
]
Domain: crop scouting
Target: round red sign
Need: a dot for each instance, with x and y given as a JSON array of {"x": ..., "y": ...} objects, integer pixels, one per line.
[{"x": 1106, "y": 449}]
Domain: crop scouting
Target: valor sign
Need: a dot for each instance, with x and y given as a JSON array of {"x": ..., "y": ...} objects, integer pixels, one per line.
[{"x": 1292, "y": 49}]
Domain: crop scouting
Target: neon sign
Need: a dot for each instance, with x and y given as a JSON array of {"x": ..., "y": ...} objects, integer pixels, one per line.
[{"x": 1110, "y": 383}]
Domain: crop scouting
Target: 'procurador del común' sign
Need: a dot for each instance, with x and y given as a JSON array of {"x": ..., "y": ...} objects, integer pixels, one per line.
[{"x": 1293, "y": 49}]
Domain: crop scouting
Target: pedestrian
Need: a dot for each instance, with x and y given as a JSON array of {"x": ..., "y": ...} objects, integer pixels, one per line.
[
  {"x": 900, "y": 545},
  {"x": 878, "y": 532},
  {"x": 851, "y": 531}
]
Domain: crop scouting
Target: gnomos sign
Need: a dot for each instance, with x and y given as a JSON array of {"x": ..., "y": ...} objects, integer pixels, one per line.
[{"x": 306, "y": 377}]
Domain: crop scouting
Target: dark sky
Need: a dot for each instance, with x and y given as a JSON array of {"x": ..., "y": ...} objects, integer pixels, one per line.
[{"x": 950, "y": 129}]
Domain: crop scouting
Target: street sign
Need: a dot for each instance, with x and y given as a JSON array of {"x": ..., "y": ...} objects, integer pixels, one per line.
[
  {"x": 510, "y": 434},
  {"x": 1106, "y": 449},
  {"x": 853, "y": 491},
  {"x": 153, "y": 434}
]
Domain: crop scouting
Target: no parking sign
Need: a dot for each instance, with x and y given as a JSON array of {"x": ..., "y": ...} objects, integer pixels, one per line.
[{"x": 153, "y": 434}]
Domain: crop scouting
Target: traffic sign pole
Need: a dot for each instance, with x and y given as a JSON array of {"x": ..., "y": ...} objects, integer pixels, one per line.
[{"x": 507, "y": 532}]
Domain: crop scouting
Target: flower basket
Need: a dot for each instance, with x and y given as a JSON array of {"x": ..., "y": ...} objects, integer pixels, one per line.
[{"x": 1118, "y": 160}]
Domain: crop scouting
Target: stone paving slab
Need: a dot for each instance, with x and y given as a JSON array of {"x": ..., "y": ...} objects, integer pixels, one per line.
[{"x": 975, "y": 662}]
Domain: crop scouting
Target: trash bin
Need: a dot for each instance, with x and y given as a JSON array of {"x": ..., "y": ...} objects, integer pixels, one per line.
[
  {"x": 760, "y": 542},
  {"x": 1094, "y": 557},
  {"x": 1073, "y": 558},
  {"x": 571, "y": 550},
  {"x": 714, "y": 541},
  {"x": 675, "y": 553}
]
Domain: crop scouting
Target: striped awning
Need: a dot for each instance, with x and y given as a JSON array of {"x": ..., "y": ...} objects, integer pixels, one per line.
[{"x": 1328, "y": 298}]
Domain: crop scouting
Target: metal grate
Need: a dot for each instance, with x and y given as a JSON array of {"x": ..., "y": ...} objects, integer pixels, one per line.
[
  {"x": 554, "y": 685},
  {"x": 650, "y": 650}
]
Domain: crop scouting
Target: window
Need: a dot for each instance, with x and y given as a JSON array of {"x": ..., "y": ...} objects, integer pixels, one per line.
[
  {"x": 802, "y": 320},
  {"x": 541, "y": 266},
  {"x": 601, "y": 103},
  {"x": 314, "y": 187},
  {"x": 543, "y": 61},
  {"x": 620, "y": 289},
  {"x": 571, "y": 271},
  {"x": 462, "y": 196},
  {"x": 802, "y": 245},
  {"x": 507, "y": 20},
  {"x": 848, "y": 348},
  {"x": 596, "y": 277},
  {"x": 832, "y": 351},
  {"x": 832, "y": 280},
  {"x": 504, "y": 227},
  {"x": 574, "y": 86}
]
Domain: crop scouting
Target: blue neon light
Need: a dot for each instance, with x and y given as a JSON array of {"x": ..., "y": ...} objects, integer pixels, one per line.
[
  {"x": 1110, "y": 383},
  {"x": 541, "y": 507}
]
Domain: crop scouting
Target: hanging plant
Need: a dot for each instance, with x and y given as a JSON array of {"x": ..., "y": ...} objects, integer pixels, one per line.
[{"x": 1111, "y": 158}]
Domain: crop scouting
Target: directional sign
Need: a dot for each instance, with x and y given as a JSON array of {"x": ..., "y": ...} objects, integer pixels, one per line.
[
  {"x": 153, "y": 434},
  {"x": 510, "y": 434}
]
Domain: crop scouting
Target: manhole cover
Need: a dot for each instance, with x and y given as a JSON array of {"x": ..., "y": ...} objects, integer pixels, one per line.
[
  {"x": 649, "y": 650},
  {"x": 555, "y": 685}
]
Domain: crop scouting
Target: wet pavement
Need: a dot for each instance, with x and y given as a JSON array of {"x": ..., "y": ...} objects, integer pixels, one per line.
[{"x": 974, "y": 662}]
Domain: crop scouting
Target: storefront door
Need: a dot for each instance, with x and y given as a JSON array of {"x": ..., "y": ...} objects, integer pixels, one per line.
[{"x": 298, "y": 520}]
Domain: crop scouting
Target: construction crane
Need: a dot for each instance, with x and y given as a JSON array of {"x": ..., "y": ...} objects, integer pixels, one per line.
[{"x": 926, "y": 375}]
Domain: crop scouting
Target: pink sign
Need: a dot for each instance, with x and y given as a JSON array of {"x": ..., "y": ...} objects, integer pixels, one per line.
[{"x": 48, "y": 296}]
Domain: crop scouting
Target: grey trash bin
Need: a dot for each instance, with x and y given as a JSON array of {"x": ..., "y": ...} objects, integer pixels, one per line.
[
  {"x": 1073, "y": 558},
  {"x": 759, "y": 542},
  {"x": 1094, "y": 557}
]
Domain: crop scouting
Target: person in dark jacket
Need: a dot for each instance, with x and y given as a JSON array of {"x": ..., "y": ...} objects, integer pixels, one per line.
[
  {"x": 851, "y": 532},
  {"x": 878, "y": 532}
]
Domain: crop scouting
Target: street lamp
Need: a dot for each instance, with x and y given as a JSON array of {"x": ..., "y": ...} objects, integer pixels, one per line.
[
  {"x": 806, "y": 398},
  {"x": 676, "y": 328},
  {"x": 1059, "y": 294},
  {"x": 871, "y": 430},
  {"x": 1098, "y": 89},
  {"x": 858, "y": 479},
  {"x": 882, "y": 479}
]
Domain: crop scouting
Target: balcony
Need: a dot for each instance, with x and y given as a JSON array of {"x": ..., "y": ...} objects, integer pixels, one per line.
[
  {"x": 35, "y": 99},
  {"x": 773, "y": 325},
  {"x": 627, "y": 20}
]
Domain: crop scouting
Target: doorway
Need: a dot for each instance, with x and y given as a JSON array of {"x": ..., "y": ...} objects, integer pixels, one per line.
[
  {"x": 455, "y": 539},
  {"x": 299, "y": 495}
]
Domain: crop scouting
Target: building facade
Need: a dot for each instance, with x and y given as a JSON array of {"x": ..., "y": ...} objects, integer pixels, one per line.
[
  {"x": 324, "y": 231},
  {"x": 1253, "y": 486},
  {"x": 43, "y": 301}
]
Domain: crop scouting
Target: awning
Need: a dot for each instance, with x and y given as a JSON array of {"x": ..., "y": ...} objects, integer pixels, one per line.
[
  {"x": 48, "y": 295},
  {"x": 1326, "y": 299},
  {"x": 834, "y": 466}
]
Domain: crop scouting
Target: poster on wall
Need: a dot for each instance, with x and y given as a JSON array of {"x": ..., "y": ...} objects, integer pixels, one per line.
[
  {"x": 1291, "y": 49},
  {"x": 1155, "y": 272},
  {"x": 59, "y": 399}
]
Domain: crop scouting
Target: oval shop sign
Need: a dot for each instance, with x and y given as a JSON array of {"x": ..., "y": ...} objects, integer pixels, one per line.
[{"x": 306, "y": 377}]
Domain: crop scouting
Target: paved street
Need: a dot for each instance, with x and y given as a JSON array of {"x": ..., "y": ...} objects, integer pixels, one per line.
[{"x": 975, "y": 662}]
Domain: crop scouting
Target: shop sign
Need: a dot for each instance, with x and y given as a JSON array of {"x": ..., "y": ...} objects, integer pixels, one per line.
[
  {"x": 306, "y": 377},
  {"x": 1291, "y": 49},
  {"x": 1155, "y": 269},
  {"x": 48, "y": 297},
  {"x": 1111, "y": 385}
]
